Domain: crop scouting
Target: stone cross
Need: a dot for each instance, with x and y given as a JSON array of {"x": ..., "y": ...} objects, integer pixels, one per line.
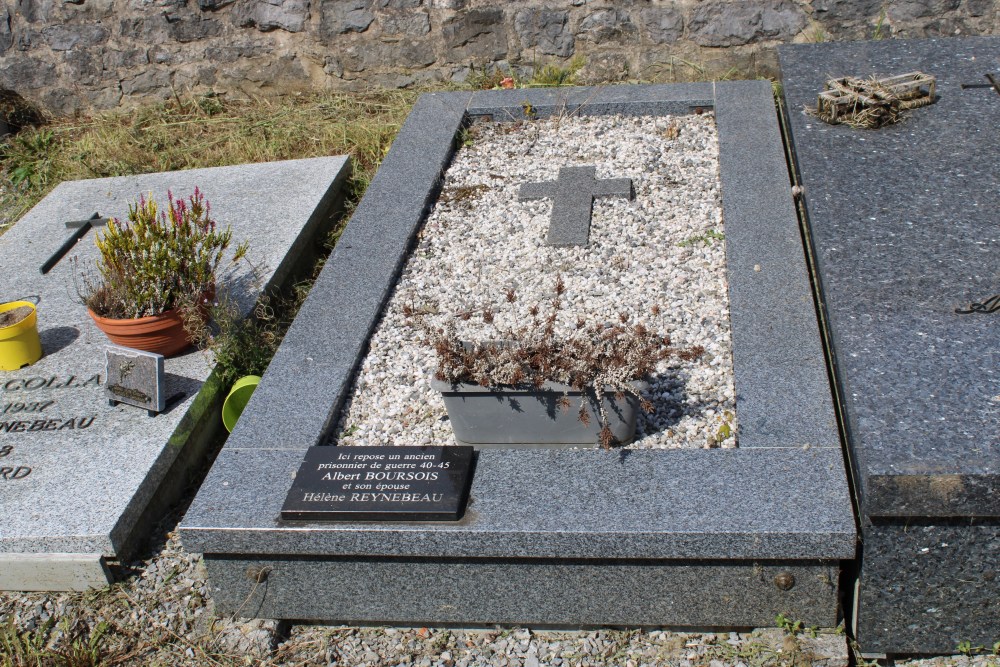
[
  {"x": 80, "y": 227},
  {"x": 993, "y": 83},
  {"x": 572, "y": 196}
]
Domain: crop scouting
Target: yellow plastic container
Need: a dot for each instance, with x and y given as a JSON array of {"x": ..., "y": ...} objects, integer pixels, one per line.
[
  {"x": 19, "y": 343},
  {"x": 237, "y": 400}
]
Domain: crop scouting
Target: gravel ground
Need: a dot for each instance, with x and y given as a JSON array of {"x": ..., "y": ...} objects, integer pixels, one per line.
[{"x": 658, "y": 260}]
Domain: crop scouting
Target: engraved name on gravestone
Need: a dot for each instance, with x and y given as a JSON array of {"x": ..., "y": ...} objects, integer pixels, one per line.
[
  {"x": 572, "y": 195},
  {"x": 29, "y": 408},
  {"x": 134, "y": 377},
  {"x": 380, "y": 484}
]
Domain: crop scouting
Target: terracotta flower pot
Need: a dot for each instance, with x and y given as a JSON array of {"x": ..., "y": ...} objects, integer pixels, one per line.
[{"x": 163, "y": 334}]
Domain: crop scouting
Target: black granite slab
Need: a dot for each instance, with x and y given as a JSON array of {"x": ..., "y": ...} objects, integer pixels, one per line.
[
  {"x": 904, "y": 224},
  {"x": 380, "y": 484}
]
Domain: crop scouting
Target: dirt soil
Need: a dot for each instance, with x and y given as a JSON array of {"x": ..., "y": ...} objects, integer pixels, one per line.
[{"x": 11, "y": 317}]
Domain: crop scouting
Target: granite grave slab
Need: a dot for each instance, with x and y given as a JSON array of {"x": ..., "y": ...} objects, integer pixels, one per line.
[
  {"x": 83, "y": 471},
  {"x": 564, "y": 537},
  {"x": 903, "y": 221}
]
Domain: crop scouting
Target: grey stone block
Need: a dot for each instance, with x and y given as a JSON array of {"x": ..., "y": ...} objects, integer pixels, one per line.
[
  {"x": 572, "y": 195},
  {"x": 721, "y": 23},
  {"x": 664, "y": 25},
  {"x": 338, "y": 17},
  {"x": 558, "y": 591},
  {"x": 268, "y": 15},
  {"x": 477, "y": 35},
  {"x": 322, "y": 347},
  {"x": 731, "y": 504},
  {"x": 607, "y": 25},
  {"x": 110, "y": 461},
  {"x": 403, "y": 22},
  {"x": 544, "y": 29},
  {"x": 782, "y": 387}
]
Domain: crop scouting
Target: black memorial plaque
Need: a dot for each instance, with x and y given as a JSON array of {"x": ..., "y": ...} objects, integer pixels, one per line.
[{"x": 380, "y": 484}]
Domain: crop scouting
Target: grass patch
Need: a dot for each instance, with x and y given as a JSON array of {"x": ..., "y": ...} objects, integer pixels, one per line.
[{"x": 206, "y": 131}]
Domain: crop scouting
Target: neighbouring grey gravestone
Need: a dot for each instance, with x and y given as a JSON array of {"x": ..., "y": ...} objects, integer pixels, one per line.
[
  {"x": 572, "y": 195},
  {"x": 134, "y": 377},
  {"x": 903, "y": 221},
  {"x": 567, "y": 537},
  {"x": 85, "y": 475}
]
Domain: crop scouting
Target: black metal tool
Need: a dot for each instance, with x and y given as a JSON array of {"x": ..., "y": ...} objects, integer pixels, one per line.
[
  {"x": 993, "y": 83},
  {"x": 80, "y": 227},
  {"x": 990, "y": 305}
]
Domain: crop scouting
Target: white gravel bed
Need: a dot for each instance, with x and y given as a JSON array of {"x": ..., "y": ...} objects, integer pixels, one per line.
[{"x": 659, "y": 259}]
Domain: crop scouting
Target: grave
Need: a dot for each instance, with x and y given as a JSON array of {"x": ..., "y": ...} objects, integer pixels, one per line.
[
  {"x": 82, "y": 475},
  {"x": 904, "y": 233},
  {"x": 693, "y": 537}
]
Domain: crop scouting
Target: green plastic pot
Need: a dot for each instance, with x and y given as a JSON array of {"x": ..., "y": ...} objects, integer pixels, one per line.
[{"x": 237, "y": 399}]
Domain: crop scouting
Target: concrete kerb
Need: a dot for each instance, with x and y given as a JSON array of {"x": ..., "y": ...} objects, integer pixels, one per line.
[{"x": 783, "y": 495}]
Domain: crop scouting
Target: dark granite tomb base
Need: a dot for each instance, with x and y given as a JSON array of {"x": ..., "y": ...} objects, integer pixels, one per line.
[
  {"x": 903, "y": 221},
  {"x": 551, "y": 592},
  {"x": 926, "y": 588},
  {"x": 555, "y": 537}
]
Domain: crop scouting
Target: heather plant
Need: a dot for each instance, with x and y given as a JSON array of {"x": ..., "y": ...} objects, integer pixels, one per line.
[
  {"x": 158, "y": 260},
  {"x": 591, "y": 359}
]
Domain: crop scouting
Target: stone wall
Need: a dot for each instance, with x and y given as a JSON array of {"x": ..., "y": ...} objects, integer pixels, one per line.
[{"x": 71, "y": 55}]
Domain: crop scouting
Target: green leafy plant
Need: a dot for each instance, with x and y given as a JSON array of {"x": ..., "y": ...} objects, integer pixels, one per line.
[
  {"x": 795, "y": 627},
  {"x": 159, "y": 260},
  {"x": 592, "y": 357},
  {"x": 240, "y": 345},
  {"x": 29, "y": 158}
]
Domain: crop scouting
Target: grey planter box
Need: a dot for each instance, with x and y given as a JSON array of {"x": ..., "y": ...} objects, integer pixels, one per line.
[{"x": 515, "y": 417}]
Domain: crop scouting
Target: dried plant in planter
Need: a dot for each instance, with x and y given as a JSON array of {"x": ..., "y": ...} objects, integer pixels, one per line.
[{"x": 590, "y": 359}]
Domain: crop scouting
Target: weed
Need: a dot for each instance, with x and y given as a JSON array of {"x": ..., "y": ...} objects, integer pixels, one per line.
[
  {"x": 966, "y": 648},
  {"x": 462, "y": 194},
  {"x": 490, "y": 79},
  {"x": 794, "y": 628},
  {"x": 529, "y": 111},
  {"x": 706, "y": 239},
  {"x": 29, "y": 158},
  {"x": 555, "y": 75},
  {"x": 817, "y": 34},
  {"x": 880, "y": 28}
]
